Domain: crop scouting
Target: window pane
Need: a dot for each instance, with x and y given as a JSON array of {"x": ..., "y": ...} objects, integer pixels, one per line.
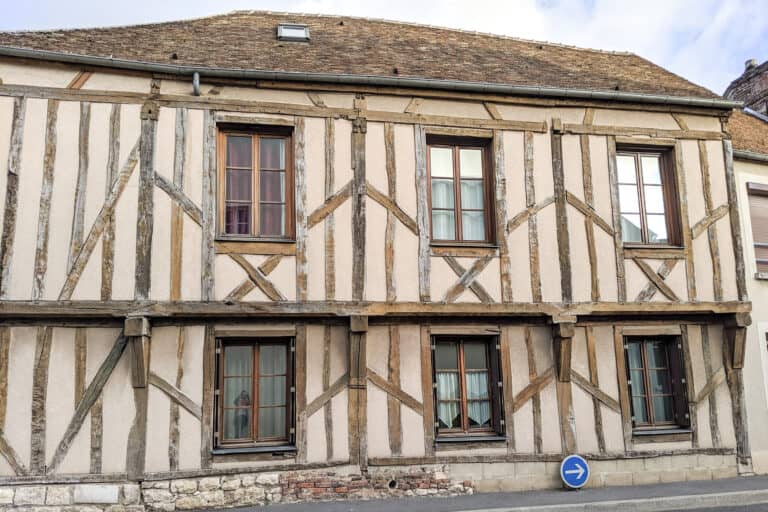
[
  {"x": 448, "y": 415},
  {"x": 237, "y": 360},
  {"x": 479, "y": 414},
  {"x": 475, "y": 356},
  {"x": 472, "y": 194},
  {"x": 637, "y": 381},
  {"x": 441, "y": 162},
  {"x": 238, "y": 151},
  {"x": 660, "y": 382},
  {"x": 238, "y": 219},
  {"x": 272, "y": 359},
  {"x": 628, "y": 202},
  {"x": 470, "y": 163},
  {"x": 443, "y": 225},
  {"x": 635, "y": 357},
  {"x": 654, "y": 199},
  {"x": 445, "y": 356},
  {"x": 272, "y": 153},
  {"x": 651, "y": 170},
  {"x": 630, "y": 228},
  {"x": 657, "y": 354},
  {"x": 639, "y": 410},
  {"x": 237, "y": 391},
  {"x": 477, "y": 385},
  {"x": 237, "y": 424},
  {"x": 657, "y": 228},
  {"x": 272, "y": 422},
  {"x": 448, "y": 386},
  {"x": 442, "y": 193},
  {"x": 626, "y": 168},
  {"x": 239, "y": 185},
  {"x": 662, "y": 409},
  {"x": 272, "y": 186},
  {"x": 272, "y": 220},
  {"x": 271, "y": 391},
  {"x": 473, "y": 225}
]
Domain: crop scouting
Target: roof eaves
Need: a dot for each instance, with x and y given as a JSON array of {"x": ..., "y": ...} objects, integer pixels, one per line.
[{"x": 373, "y": 80}]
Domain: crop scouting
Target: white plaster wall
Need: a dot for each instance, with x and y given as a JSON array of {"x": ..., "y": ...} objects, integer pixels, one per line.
[
  {"x": 635, "y": 118},
  {"x": 35, "y": 74},
  {"x": 410, "y": 382},
  {"x": 608, "y": 378},
  {"x": 583, "y": 408},
  {"x": 101, "y": 81}
]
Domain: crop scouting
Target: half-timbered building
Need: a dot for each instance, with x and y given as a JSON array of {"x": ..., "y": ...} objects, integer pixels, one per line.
[{"x": 265, "y": 257}]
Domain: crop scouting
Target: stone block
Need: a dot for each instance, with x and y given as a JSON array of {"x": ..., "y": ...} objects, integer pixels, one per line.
[
  {"x": 163, "y": 507},
  {"x": 29, "y": 495},
  {"x": 97, "y": 493},
  {"x": 465, "y": 471},
  {"x": 184, "y": 486},
  {"x": 520, "y": 483},
  {"x": 530, "y": 468},
  {"x": 268, "y": 479},
  {"x": 486, "y": 485},
  {"x": 230, "y": 483},
  {"x": 155, "y": 496},
  {"x": 190, "y": 502},
  {"x": 658, "y": 463},
  {"x": 725, "y": 472},
  {"x": 672, "y": 475},
  {"x": 602, "y": 466},
  {"x": 131, "y": 494},
  {"x": 115, "y": 508},
  {"x": 631, "y": 465},
  {"x": 646, "y": 477},
  {"x": 247, "y": 480},
  {"x": 161, "y": 484},
  {"x": 683, "y": 461},
  {"x": 699, "y": 474},
  {"x": 499, "y": 470},
  {"x": 6, "y": 495},
  {"x": 58, "y": 495},
  {"x": 209, "y": 483},
  {"x": 213, "y": 498},
  {"x": 617, "y": 478}
]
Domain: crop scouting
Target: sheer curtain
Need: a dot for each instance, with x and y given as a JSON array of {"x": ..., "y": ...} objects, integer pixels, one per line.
[{"x": 448, "y": 413}]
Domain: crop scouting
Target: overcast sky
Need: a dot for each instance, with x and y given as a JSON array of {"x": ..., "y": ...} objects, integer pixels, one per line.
[{"x": 706, "y": 41}]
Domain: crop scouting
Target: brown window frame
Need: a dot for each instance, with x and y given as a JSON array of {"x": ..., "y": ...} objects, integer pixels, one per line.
[
  {"x": 669, "y": 192},
  {"x": 457, "y": 143},
  {"x": 256, "y": 132},
  {"x": 496, "y": 427},
  {"x": 761, "y": 191},
  {"x": 254, "y": 440},
  {"x": 676, "y": 374}
]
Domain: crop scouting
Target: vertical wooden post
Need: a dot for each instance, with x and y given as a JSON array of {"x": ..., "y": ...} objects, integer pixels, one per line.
[
  {"x": 500, "y": 179},
  {"x": 209, "y": 375},
  {"x": 562, "y": 334},
  {"x": 108, "y": 238},
  {"x": 46, "y": 193},
  {"x": 137, "y": 330},
  {"x": 427, "y": 391},
  {"x": 37, "y": 458},
  {"x": 733, "y": 214},
  {"x": 393, "y": 404},
  {"x": 561, "y": 212},
  {"x": 209, "y": 206},
  {"x": 177, "y": 214},
  {"x": 358, "y": 398},
  {"x": 735, "y": 379},
  {"x": 533, "y": 226},
  {"x": 422, "y": 211},
  {"x": 682, "y": 197},
  {"x": 359, "y": 128},
  {"x": 330, "y": 223},
  {"x": 145, "y": 216},
  {"x": 300, "y": 375},
  {"x": 621, "y": 282},
  {"x": 300, "y": 168},
  {"x": 11, "y": 195}
]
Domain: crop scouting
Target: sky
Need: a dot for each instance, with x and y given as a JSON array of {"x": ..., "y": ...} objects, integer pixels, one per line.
[{"x": 705, "y": 41}]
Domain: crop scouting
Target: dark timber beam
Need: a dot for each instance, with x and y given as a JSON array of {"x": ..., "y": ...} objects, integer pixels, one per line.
[
  {"x": 562, "y": 335},
  {"x": 736, "y": 333}
]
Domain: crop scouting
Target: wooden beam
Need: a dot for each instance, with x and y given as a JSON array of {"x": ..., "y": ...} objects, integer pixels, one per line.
[
  {"x": 508, "y": 398},
  {"x": 594, "y": 380},
  {"x": 394, "y": 417},
  {"x": 621, "y": 377},
  {"x": 5, "y": 348},
  {"x": 359, "y": 128},
  {"x": 260, "y": 248},
  {"x": 327, "y": 406},
  {"x": 39, "y": 392},
  {"x": 209, "y": 380},
  {"x": 332, "y": 202},
  {"x": 478, "y": 289},
  {"x": 392, "y": 207},
  {"x": 11, "y": 195},
  {"x": 427, "y": 391},
  {"x": 633, "y": 131},
  {"x": 46, "y": 192},
  {"x": 330, "y": 222},
  {"x": 390, "y": 281},
  {"x": 325, "y": 397},
  {"x": 684, "y": 221},
  {"x": 146, "y": 202},
  {"x": 500, "y": 181},
  {"x": 531, "y": 208},
  {"x": 403, "y": 397},
  {"x": 562, "y": 335},
  {"x": 736, "y": 333},
  {"x": 714, "y": 246},
  {"x": 422, "y": 212},
  {"x": 733, "y": 204},
  {"x": 618, "y": 242},
  {"x": 690, "y": 385},
  {"x": 663, "y": 272},
  {"x": 179, "y": 198},
  {"x": 567, "y": 417},
  {"x": 300, "y": 384},
  {"x": 493, "y": 111},
  {"x": 357, "y": 392},
  {"x": 467, "y": 279},
  {"x": 79, "y": 79},
  {"x": 705, "y": 223},
  {"x": 716, "y": 379},
  {"x": 176, "y": 395},
  {"x": 108, "y": 237},
  {"x": 174, "y": 436},
  {"x": 302, "y": 229},
  {"x": 597, "y": 394},
  {"x": 656, "y": 279},
  {"x": 561, "y": 213},
  {"x": 735, "y": 379},
  {"x": 92, "y": 392},
  {"x": 209, "y": 207},
  {"x": 78, "y": 215},
  {"x": 589, "y": 228},
  {"x": 528, "y": 214},
  {"x": 588, "y": 211},
  {"x": 531, "y": 391},
  {"x": 258, "y": 278}
]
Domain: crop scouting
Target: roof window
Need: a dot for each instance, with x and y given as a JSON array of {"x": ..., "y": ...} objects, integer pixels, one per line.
[{"x": 292, "y": 32}]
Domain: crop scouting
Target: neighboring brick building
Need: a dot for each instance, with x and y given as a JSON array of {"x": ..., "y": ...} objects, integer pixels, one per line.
[{"x": 751, "y": 87}]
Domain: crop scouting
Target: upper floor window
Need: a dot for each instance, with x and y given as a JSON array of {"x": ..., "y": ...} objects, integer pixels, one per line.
[
  {"x": 254, "y": 391},
  {"x": 460, "y": 192},
  {"x": 255, "y": 183},
  {"x": 467, "y": 385},
  {"x": 758, "y": 212},
  {"x": 647, "y": 197},
  {"x": 656, "y": 382}
]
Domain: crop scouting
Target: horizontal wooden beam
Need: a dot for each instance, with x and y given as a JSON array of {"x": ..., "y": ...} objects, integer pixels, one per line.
[
  {"x": 579, "y": 129},
  {"x": 253, "y": 247},
  {"x": 83, "y": 310}
]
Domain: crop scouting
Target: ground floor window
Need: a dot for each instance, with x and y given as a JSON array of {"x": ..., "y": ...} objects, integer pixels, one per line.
[
  {"x": 254, "y": 391},
  {"x": 656, "y": 382},
  {"x": 467, "y": 385}
]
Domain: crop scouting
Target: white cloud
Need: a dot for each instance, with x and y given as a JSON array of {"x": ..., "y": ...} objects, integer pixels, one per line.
[{"x": 706, "y": 41}]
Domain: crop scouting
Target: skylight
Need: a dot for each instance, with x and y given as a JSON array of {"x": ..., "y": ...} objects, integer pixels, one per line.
[{"x": 292, "y": 32}]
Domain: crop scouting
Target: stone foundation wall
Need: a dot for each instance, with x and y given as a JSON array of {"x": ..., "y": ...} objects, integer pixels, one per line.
[{"x": 347, "y": 483}]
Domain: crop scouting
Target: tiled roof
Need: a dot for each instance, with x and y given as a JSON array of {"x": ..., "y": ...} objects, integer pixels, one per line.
[
  {"x": 359, "y": 46},
  {"x": 749, "y": 133}
]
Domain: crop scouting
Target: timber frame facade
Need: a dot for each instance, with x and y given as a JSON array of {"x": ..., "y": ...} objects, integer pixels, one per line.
[{"x": 115, "y": 289}]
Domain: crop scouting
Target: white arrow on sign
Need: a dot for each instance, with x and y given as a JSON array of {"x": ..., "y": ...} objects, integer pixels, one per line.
[{"x": 579, "y": 471}]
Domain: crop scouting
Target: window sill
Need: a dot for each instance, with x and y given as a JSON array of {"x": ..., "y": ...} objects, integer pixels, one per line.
[
  {"x": 670, "y": 435},
  {"x": 469, "y": 442},
  {"x": 461, "y": 249},
  {"x": 269, "y": 449},
  {"x": 761, "y": 276},
  {"x": 243, "y": 245},
  {"x": 632, "y": 250}
]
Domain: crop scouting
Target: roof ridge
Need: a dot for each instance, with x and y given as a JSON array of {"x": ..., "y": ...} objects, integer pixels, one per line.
[{"x": 335, "y": 16}]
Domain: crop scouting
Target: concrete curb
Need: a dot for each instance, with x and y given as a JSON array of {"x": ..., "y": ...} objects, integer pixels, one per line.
[{"x": 685, "y": 502}]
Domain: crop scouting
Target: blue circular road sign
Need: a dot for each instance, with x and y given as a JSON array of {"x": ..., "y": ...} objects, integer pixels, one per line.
[{"x": 574, "y": 471}]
